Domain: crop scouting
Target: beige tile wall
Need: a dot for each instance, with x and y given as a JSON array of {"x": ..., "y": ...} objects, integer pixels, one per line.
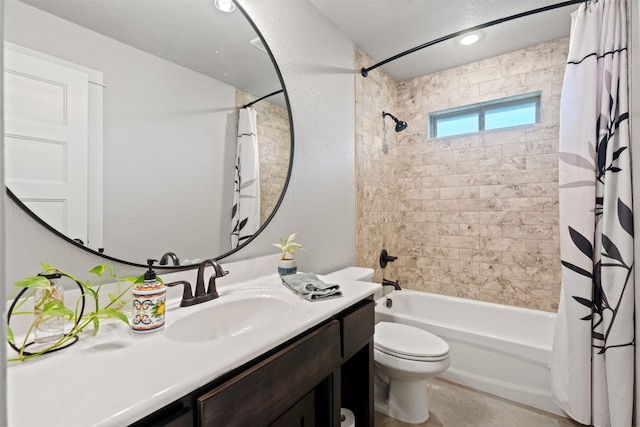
[
  {"x": 377, "y": 194},
  {"x": 274, "y": 143},
  {"x": 474, "y": 216}
]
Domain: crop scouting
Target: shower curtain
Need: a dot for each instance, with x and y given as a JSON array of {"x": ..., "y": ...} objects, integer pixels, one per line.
[
  {"x": 245, "y": 215},
  {"x": 592, "y": 366}
]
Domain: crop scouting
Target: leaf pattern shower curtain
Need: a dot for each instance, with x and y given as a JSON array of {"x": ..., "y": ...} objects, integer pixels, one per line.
[
  {"x": 245, "y": 215},
  {"x": 592, "y": 366}
]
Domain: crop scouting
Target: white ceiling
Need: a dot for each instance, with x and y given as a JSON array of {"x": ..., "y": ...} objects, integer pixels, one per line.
[
  {"x": 384, "y": 28},
  {"x": 194, "y": 34}
]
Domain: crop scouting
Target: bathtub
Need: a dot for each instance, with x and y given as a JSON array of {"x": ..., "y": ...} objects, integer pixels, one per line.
[{"x": 498, "y": 349}]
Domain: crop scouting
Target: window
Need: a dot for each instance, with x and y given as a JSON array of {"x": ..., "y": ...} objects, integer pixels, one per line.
[{"x": 515, "y": 111}]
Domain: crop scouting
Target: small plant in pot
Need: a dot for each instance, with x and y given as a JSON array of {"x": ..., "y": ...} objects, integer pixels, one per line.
[{"x": 287, "y": 264}]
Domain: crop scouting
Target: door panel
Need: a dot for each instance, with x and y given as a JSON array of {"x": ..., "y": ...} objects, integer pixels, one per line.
[{"x": 46, "y": 140}]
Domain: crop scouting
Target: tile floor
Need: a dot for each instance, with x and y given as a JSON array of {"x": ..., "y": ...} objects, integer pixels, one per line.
[{"x": 452, "y": 405}]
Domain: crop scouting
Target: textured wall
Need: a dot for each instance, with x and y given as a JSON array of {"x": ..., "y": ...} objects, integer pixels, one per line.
[
  {"x": 316, "y": 62},
  {"x": 478, "y": 214},
  {"x": 274, "y": 141}
]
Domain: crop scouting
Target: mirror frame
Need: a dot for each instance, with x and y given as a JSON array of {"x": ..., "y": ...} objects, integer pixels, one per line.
[{"x": 15, "y": 199}]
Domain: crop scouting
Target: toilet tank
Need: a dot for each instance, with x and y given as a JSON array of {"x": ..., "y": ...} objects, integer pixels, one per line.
[{"x": 362, "y": 274}]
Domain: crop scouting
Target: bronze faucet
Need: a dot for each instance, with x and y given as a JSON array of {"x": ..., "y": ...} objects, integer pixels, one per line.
[
  {"x": 211, "y": 292},
  {"x": 395, "y": 284},
  {"x": 201, "y": 295},
  {"x": 165, "y": 259}
]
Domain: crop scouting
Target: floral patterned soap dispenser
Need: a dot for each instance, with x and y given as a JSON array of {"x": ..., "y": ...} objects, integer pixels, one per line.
[{"x": 149, "y": 301}]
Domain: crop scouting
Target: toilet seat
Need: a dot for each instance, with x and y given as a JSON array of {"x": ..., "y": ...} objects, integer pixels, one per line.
[{"x": 408, "y": 342}]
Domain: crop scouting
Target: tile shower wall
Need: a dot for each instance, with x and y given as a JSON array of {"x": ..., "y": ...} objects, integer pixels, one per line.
[
  {"x": 274, "y": 143},
  {"x": 377, "y": 193},
  {"x": 477, "y": 215}
]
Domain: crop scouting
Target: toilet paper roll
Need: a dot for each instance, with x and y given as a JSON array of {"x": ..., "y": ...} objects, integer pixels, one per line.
[{"x": 346, "y": 418}]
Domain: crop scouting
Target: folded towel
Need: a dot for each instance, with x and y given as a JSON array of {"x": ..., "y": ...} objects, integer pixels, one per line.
[{"x": 310, "y": 287}]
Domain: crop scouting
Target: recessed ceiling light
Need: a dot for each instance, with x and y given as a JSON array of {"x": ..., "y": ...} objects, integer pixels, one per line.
[
  {"x": 225, "y": 5},
  {"x": 469, "y": 39}
]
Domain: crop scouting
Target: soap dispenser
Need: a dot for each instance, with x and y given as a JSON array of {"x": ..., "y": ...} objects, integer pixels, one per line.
[{"x": 149, "y": 302}]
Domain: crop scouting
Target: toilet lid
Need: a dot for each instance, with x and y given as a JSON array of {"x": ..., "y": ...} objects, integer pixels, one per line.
[{"x": 408, "y": 340}]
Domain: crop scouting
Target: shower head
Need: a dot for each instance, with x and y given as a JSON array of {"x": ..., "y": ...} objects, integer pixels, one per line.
[{"x": 400, "y": 125}]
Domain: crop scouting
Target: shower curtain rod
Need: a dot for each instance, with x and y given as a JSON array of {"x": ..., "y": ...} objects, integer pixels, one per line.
[
  {"x": 260, "y": 99},
  {"x": 365, "y": 71}
]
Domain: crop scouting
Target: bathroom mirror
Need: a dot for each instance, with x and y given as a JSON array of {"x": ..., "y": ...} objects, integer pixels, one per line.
[{"x": 161, "y": 82}]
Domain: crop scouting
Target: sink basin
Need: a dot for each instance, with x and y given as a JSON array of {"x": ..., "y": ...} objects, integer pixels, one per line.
[{"x": 230, "y": 315}]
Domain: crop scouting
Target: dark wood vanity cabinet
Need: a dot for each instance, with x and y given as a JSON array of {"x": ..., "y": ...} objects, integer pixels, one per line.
[
  {"x": 303, "y": 382},
  {"x": 259, "y": 395},
  {"x": 356, "y": 380}
]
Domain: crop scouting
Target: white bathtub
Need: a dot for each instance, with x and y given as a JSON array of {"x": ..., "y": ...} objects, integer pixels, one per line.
[{"x": 499, "y": 349}]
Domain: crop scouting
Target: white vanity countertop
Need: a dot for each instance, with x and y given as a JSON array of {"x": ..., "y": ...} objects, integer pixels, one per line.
[{"x": 119, "y": 377}]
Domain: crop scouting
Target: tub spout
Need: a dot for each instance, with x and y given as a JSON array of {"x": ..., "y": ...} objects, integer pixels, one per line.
[{"x": 395, "y": 285}]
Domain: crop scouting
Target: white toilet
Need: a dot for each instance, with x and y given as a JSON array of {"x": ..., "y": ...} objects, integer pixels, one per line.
[{"x": 405, "y": 358}]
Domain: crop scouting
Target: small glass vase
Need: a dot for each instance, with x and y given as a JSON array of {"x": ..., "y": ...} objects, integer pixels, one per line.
[
  {"x": 287, "y": 266},
  {"x": 48, "y": 328}
]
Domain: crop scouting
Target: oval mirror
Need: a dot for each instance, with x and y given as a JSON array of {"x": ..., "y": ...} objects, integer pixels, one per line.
[{"x": 121, "y": 125}]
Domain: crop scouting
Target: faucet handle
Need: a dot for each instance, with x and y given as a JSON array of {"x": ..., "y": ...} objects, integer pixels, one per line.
[
  {"x": 187, "y": 295},
  {"x": 219, "y": 272}
]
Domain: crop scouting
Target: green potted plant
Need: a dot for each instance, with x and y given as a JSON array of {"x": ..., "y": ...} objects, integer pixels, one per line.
[{"x": 287, "y": 264}]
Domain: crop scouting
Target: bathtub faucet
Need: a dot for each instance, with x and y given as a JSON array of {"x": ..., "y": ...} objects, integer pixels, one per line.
[
  {"x": 386, "y": 258},
  {"x": 395, "y": 285}
]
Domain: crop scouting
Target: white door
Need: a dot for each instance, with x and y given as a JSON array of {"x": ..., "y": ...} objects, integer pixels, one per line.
[{"x": 46, "y": 140}]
